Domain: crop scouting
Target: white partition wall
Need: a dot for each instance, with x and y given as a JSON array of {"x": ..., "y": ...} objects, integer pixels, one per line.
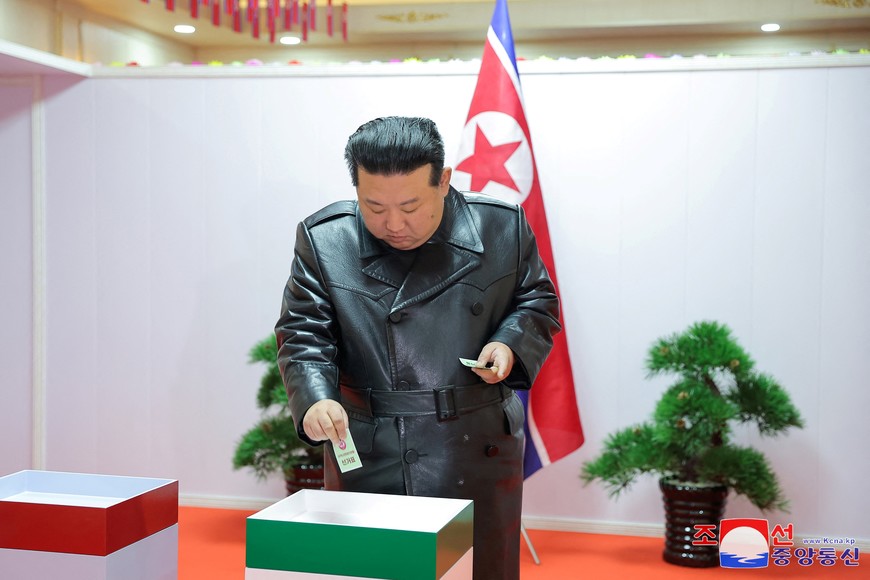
[
  {"x": 674, "y": 195},
  {"x": 739, "y": 196},
  {"x": 16, "y": 274}
]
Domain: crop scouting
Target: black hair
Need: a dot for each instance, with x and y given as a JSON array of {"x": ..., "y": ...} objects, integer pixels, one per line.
[{"x": 395, "y": 146}]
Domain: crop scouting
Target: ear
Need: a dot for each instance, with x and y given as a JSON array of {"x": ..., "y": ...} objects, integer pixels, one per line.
[{"x": 444, "y": 184}]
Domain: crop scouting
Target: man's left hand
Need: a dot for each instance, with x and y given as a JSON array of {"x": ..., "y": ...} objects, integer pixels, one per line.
[{"x": 501, "y": 357}]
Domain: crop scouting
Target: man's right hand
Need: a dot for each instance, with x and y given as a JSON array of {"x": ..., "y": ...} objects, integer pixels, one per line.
[{"x": 325, "y": 419}]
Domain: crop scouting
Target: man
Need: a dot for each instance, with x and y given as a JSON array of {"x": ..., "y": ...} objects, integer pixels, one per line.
[{"x": 385, "y": 294}]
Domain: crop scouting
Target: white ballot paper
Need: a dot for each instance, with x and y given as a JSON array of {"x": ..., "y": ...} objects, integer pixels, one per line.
[
  {"x": 346, "y": 455},
  {"x": 472, "y": 363}
]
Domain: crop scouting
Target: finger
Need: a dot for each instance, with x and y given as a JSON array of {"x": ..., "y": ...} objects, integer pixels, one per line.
[
  {"x": 486, "y": 355},
  {"x": 329, "y": 429},
  {"x": 313, "y": 431},
  {"x": 503, "y": 363},
  {"x": 486, "y": 375},
  {"x": 339, "y": 422}
]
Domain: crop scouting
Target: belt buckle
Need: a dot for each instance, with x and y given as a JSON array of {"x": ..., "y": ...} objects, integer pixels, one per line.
[{"x": 445, "y": 403}]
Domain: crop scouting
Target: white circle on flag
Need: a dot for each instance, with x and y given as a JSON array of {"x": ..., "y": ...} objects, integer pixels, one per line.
[{"x": 499, "y": 129}]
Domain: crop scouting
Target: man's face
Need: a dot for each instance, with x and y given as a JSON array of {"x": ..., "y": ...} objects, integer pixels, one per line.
[{"x": 402, "y": 210}]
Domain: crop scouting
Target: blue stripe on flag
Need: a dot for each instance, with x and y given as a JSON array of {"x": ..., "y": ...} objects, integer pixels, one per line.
[
  {"x": 531, "y": 459},
  {"x": 501, "y": 25}
]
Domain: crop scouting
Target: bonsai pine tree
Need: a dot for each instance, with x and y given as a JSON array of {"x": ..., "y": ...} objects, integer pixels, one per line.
[
  {"x": 688, "y": 439},
  {"x": 272, "y": 445}
]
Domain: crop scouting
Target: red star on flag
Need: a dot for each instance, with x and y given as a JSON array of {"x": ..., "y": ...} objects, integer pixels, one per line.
[{"x": 487, "y": 163}]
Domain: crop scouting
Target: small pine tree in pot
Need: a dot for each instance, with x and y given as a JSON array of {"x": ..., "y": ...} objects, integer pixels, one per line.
[
  {"x": 687, "y": 443},
  {"x": 272, "y": 445}
]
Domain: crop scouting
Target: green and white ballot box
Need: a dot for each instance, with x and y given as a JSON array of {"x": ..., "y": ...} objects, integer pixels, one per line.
[{"x": 315, "y": 534}]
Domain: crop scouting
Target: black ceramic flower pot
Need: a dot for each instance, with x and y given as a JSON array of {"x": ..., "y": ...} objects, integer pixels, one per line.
[{"x": 687, "y": 505}]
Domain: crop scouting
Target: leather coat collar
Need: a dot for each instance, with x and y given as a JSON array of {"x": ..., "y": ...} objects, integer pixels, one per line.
[
  {"x": 457, "y": 228},
  {"x": 449, "y": 255}
]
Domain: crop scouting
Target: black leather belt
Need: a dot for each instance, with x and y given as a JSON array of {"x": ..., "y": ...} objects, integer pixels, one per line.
[{"x": 444, "y": 402}]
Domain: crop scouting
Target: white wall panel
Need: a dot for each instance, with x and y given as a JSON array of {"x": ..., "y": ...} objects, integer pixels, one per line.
[
  {"x": 177, "y": 210},
  {"x": 16, "y": 274},
  {"x": 841, "y": 394},
  {"x": 738, "y": 196},
  {"x": 225, "y": 320},
  {"x": 652, "y": 253},
  {"x": 721, "y": 173},
  {"x": 787, "y": 265},
  {"x": 122, "y": 223},
  {"x": 72, "y": 416},
  {"x": 582, "y": 189}
]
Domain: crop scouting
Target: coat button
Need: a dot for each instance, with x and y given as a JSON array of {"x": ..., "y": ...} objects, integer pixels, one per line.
[
  {"x": 395, "y": 316},
  {"x": 491, "y": 450},
  {"x": 476, "y": 308},
  {"x": 411, "y": 456},
  {"x": 403, "y": 386}
]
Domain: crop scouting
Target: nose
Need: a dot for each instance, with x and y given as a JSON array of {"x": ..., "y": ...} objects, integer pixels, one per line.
[{"x": 394, "y": 222}]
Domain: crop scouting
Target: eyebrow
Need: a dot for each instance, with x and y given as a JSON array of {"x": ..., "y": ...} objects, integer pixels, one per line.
[{"x": 403, "y": 203}]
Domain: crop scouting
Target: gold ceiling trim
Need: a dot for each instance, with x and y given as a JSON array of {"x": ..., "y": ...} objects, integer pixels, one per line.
[
  {"x": 412, "y": 17},
  {"x": 845, "y": 3}
]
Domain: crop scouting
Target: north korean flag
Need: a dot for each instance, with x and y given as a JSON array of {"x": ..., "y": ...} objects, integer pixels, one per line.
[{"x": 495, "y": 157}]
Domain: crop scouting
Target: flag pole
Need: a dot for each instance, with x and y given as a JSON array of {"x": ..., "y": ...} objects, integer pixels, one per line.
[{"x": 529, "y": 543}]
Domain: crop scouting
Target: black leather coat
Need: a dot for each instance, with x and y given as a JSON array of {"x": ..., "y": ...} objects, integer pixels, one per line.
[{"x": 359, "y": 315}]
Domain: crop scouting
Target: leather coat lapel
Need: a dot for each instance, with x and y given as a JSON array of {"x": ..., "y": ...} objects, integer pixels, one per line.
[
  {"x": 389, "y": 269},
  {"x": 449, "y": 256},
  {"x": 437, "y": 266},
  {"x": 386, "y": 267}
]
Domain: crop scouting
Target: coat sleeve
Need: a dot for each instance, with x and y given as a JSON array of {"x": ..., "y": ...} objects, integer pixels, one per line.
[
  {"x": 307, "y": 333},
  {"x": 529, "y": 327}
]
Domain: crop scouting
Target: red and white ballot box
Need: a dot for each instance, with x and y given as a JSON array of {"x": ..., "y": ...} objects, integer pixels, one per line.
[
  {"x": 78, "y": 526},
  {"x": 315, "y": 534}
]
